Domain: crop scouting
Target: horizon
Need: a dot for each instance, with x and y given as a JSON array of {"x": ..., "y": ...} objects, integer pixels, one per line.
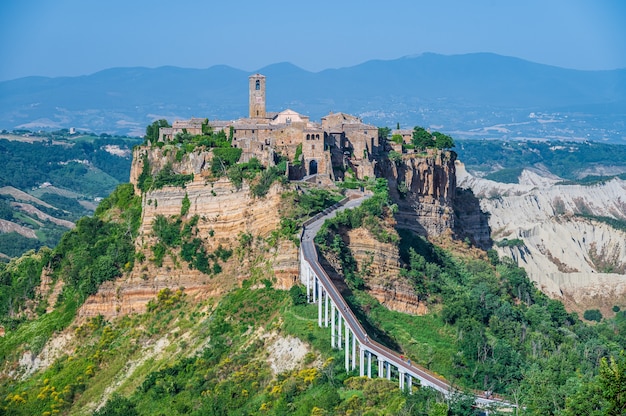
[
  {"x": 75, "y": 38},
  {"x": 411, "y": 56}
]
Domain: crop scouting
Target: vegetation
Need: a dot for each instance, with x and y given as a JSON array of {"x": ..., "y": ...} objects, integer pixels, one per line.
[
  {"x": 173, "y": 234},
  {"x": 228, "y": 374},
  {"x": 510, "y": 175},
  {"x": 593, "y": 315},
  {"x": 383, "y": 133},
  {"x": 613, "y": 222},
  {"x": 85, "y": 167},
  {"x": 65, "y": 173},
  {"x": 223, "y": 158},
  {"x": 95, "y": 251},
  {"x": 267, "y": 178},
  {"x": 99, "y": 249},
  {"x": 152, "y": 130},
  {"x": 423, "y": 139},
  {"x": 491, "y": 329},
  {"x": 488, "y": 327},
  {"x": 514, "y": 242},
  {"x": 167, "y": 177},
  {"x": 568, "y": 160}
]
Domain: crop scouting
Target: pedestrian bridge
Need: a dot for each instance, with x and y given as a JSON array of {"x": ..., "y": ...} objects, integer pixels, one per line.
[{"x": 347, "y": 333}]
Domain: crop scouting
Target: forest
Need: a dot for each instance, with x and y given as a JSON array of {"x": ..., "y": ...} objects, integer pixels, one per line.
[{"x": 575, "y": 162}]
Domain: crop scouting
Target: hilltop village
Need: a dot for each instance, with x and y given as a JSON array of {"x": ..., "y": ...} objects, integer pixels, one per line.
[
  {"x": 421, "y": 178},
  {"x": 339, "y": 140}
]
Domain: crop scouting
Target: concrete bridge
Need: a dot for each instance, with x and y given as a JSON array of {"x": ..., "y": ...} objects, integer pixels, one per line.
[{"x": 347, "y": 333}]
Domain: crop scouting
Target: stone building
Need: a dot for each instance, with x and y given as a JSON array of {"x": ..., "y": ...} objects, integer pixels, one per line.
[
  {"x": 191, "y": 126},
  {"x": 326, "y": 150}
]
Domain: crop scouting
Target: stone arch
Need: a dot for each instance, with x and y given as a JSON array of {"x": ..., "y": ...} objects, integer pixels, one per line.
[
  {"x": 257, "y": 85},
  {"x": 313, "y": 167}
]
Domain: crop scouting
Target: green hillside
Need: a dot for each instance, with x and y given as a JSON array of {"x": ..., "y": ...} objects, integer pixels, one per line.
[
  {"x": 49, "y": 180},
  {"x": 488, "y": 328}
]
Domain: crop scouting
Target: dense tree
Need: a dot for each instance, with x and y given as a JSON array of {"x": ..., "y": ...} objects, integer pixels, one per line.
[
  {"x": 152, "y": 130},
  {"x": 422, "y": 139},
  {"x": 443, "y": 141},
  {"x": 383, "y": 133}
]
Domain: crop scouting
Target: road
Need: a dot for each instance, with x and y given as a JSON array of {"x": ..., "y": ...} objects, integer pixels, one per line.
[{"x": 426, "y": 378}]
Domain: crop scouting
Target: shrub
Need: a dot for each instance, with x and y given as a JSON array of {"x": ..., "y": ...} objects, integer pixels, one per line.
[
  {"x": 117, "y": 405},
  {"x": 167, "y": 177},
  {"x": 223, "y": 158},
  {"x": 298, "y": 295},
  {"x": 593, "y": 315},
  {"x": 186, "y": 204}
]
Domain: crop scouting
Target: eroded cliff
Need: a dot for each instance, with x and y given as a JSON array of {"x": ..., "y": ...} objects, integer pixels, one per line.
[
  {"x": 225, "y": 216},
  {"x": 552, "y": 233},
  {"x": 423, "y": 186}
]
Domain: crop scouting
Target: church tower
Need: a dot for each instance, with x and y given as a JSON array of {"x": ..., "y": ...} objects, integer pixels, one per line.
[{"x": 257, "y": 96}]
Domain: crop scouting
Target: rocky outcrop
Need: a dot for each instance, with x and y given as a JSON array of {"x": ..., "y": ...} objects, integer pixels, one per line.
[
  {"x": 192, "y": 163},
  {"x": 224, "y": 213},
  {"x": 424, "y": 188},
  {"x": 570, "y": 257}
]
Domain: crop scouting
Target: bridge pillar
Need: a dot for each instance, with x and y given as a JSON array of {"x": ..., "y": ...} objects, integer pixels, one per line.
[
  {"x": 361, "y": 360},
  {"x": 381, "y": 367},
  {"x": 402, "y": 374},
  {"x": 410, "y": 383},
  {"x": 369, "y": 364},
  {"x": 332, "y": 326},
  {"x": 326, "y": 312},
  {"x": 307, "y": 273},
  {"x": 347, "y": 346},
  {"x": 353, "y": 351},
  {"x": 314, "y": 286},
  {"x": 319, "y": 304},
  {"x": 388, "y": 371},
  {"x": 338, "y": 329}
]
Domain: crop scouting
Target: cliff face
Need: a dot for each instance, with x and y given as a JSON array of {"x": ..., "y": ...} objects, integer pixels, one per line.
[
  {"x": 424, "y": 188},
  {"x": 379, "y": 265},
  {"x": 224, "y": 215}
]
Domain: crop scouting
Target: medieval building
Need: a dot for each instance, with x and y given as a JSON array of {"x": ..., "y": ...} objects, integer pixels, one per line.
[{"x": 325, "y": 151}]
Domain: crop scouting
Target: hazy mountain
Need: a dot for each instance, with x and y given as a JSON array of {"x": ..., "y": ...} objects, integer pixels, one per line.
[{"x": 461, "y": 94}]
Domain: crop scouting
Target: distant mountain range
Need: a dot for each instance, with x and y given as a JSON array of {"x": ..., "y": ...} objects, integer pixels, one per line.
[{"x": 475, "y": 95}]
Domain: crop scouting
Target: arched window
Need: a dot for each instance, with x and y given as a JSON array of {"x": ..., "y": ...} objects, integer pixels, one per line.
[
  {"x": 308, "y": 136},
  {"x": 257, "y": 86},
  {"x": 317, "y": 136}
]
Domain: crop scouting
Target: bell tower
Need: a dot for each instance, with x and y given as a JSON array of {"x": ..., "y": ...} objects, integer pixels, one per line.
[{"x": 257, "y": 96}]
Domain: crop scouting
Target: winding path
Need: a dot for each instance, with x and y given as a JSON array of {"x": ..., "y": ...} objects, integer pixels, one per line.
[{"x": 332, "y": 307}]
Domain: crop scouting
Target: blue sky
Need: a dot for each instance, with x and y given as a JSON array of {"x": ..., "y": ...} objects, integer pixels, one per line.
[{"x": 79, "y": 37}]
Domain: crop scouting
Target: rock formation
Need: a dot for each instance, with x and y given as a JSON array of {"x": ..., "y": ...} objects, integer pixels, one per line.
[
  {"x": 568, "y": 254},
  {"x": 424, "y": 188},
  {"x": 225, "y": 213},
  {"x": 422, "y": 185},
  {"x": 379, "y": 265}
]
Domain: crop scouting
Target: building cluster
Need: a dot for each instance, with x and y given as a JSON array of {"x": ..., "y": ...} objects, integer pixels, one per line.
[{"x": 324, "y": 151}]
